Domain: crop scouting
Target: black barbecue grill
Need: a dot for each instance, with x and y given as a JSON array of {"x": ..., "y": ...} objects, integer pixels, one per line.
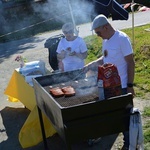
[{"x": 82, "y": 116}]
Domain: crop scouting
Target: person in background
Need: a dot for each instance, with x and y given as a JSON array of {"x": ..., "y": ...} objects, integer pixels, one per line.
[
  {"x": 116, "y": 49},
  {"x": 71, "y": 50}
]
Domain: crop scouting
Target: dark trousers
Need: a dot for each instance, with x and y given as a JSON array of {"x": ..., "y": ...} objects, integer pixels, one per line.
[{"x": 126, "y": 133}]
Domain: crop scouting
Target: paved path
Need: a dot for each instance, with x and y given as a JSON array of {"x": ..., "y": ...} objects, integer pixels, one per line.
[{"x": 12, "y": 114}]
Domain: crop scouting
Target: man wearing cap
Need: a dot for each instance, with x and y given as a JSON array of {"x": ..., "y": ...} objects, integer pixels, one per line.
[
  {"x": 116, "y": 49},
  {"x": 72, "y": 50}
]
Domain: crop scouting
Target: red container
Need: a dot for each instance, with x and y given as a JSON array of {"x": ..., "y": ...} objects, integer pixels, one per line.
[{"x": 111, "y": 80}]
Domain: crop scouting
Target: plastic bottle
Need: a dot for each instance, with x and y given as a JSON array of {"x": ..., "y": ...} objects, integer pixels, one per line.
[{"x": 101, "y": 89}]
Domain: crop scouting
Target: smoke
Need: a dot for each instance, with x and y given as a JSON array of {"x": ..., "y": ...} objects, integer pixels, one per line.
[{"x": 58, "y": 12}]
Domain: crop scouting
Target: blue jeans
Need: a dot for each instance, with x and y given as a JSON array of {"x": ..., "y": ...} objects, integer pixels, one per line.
[{"x": 126, "y": 133}]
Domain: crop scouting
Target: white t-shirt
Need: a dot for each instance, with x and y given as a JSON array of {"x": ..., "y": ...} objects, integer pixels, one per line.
[
  {"x": 72, "y": 62},
  {"x": 114, "y": 50}
]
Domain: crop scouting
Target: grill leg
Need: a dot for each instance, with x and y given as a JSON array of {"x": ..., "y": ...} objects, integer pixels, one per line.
[
  {"x": 68, "y": 146},
  {"x": 42, "y": 129}
]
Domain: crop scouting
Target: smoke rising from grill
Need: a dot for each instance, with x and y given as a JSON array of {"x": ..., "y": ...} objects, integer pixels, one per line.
[
  {"x": 60, "y": 11},
  {"x": 16, "y": 18}
]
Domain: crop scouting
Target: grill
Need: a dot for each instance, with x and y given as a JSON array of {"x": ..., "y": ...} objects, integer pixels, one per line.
[{"x": 82, "y": 116}]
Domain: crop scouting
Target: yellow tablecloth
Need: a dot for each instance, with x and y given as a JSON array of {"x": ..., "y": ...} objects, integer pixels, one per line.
[{"x": 19, "y": 90}]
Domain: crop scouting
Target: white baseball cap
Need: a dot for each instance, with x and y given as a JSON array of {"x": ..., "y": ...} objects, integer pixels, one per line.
[
  {"x": 98, "y": 21},
  {"x": 68, "y": 27}
]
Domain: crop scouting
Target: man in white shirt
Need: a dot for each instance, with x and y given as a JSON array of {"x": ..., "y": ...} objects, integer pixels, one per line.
[{"x": 116, "y": 49}]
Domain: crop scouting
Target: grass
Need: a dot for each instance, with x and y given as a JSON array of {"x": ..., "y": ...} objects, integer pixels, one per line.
[
  {"x": 146, "y": 128},
  {"x": 142, "y": 68}
]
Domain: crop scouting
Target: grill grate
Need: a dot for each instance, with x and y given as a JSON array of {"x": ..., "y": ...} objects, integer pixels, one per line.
[
  {"x": 82, "y": 96},
  {"x": 76, "y": 100},
  {"x": 86, "y": 91}
]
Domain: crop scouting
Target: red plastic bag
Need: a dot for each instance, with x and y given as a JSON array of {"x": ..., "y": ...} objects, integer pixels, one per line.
[{"x": 111, "y": 80}]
